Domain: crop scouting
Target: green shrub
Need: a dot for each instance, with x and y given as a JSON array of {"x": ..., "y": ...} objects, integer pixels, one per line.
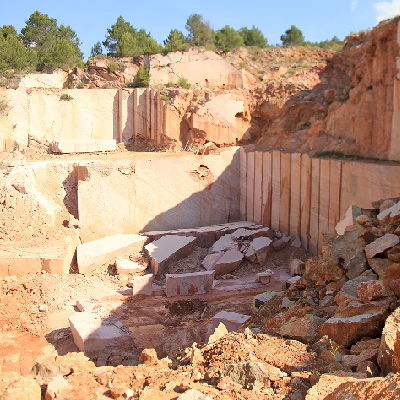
[
  {"x": 80, "y": 85},
  {"x": 165, "y": 98},
  {"x": 112, "y": 66},
  {"x": 66, "y": 97},
  {"x": 142, "y": 77},
  {"x": 183, "y": 83}
]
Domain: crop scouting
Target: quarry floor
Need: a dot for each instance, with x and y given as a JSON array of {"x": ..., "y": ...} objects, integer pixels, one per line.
[{"x": 35, "y": 309}]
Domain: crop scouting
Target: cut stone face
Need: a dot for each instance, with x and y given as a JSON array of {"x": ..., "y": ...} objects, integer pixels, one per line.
[
  {"x": 233, "y": 321},
  {"x": 92, "y": 255},
  {"x": 142, "y": 285},
  {"x": 189, "y": 284},
  {"x": 92, "y": 335},
  {"x": 167, "y": 250},
  {"x": 65, "y": 146}
]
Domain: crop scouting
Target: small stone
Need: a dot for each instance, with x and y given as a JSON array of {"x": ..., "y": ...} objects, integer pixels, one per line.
[
  {"x": 43, "y": 308},
  {"x": 368, "y": 368},
  {"x": 148, "y": 357}
]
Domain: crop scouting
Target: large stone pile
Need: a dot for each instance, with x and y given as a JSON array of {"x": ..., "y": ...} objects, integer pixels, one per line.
[{"x": 343, "y": 299}]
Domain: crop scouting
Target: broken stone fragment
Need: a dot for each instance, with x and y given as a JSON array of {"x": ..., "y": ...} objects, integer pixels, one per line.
[
  {"x": 390, "y": 213},
  {"x": 351, "y": 214},
  {"x": 229, "y": 261},
  {"x": 219, "y": 332},
  {"x": 247, "y": 374},
  {"x": 126, "y": 266},
  {"x": 348, "y": 293},
  {"x": 55, "y": 387},
  {"x": 281, "y": 243},
  {"x": 167, "y": 250},
  {"x": 259, "y": 249},
  {"x": 210, "y": 260},
  {"x": 381, "y": 244},
  {"x": 224, "y": 243},
  {"x": 142, "y": 285},
  {"x": 148, "y": 357},
  {"x": 92, "y": 255},
  {"x": 297, "y": 267},
  {"x": 232, "y": 320},
  {"x": 265, "y": 277}
]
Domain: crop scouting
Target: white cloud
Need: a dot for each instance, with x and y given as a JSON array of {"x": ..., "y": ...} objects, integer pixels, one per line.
[
  {"x": 387, "y": 9},
  {"x": 354, "y": 5}
]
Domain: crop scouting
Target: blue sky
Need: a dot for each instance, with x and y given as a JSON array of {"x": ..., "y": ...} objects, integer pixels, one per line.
[{"x": 319, "y": 20}]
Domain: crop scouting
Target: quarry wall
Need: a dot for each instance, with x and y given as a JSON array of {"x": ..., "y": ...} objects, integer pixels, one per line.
[
  {"x": 307, "y": 197},
  {"x": 157, "y": 193}
]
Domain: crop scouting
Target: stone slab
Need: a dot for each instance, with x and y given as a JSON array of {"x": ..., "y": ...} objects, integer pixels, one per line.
[
  {"x": 91, "y": 334},
  {"x": 224, "y": 243},
  {"x": 142, "y": 285},
  {"x": 56, "y": 257},
  {"x": 167, "y": 250},
  {"x": 189, "y": 284},
  {"x": 229, "y": 261},
  {"x": 92, "y": 255},
  {"x": 233, "y": 321}
]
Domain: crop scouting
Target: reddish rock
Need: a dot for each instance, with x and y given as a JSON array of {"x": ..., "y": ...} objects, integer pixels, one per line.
[
  {"x": 347, "y": 330},
  {"x": 353, "y": 360},
  {"x": 148, "y": 357},
  {"x": 386, "y": 348},
  {"x": 372, "y": 290},
  {"x": 365, "y": 345},
  {"x": 381, "y": 244},
  {"x": 303, "y": 329},
  {"x": 368, "y": 368}
]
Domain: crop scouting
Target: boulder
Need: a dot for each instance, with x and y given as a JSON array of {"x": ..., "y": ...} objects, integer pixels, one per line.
[
  {"x": 386, "y": 269},
  {"x": 55, "y": 387},
  {"x": 303, "y": 329},
  {"x": 148, "y": 357},
  {"x": 167, "y": 250},
  {"x": 381, "y": 244},
  {"x": 92, "y": 255},
  {"x": 348, "y": 329},
  {"x": 247, "y": 374},
  {"x": 343, "y": 255},
  {"x": 386, "y": 348}
]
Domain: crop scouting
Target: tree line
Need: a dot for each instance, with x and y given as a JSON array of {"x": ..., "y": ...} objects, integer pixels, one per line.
[{"x": 44, "y": 44}]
